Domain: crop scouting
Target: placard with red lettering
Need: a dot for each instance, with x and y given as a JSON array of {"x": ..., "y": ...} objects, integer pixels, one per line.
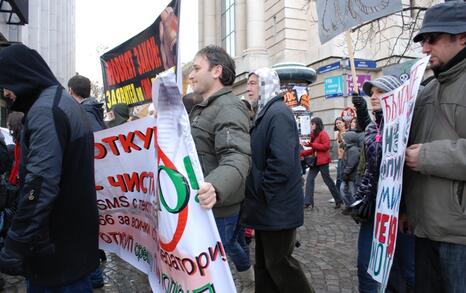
[
  {"x": 129, "y": 68},
  {"x": 398, "y": 106},
  {"x": 192, "y": 256},
  {"x": 125, "y": 164}
]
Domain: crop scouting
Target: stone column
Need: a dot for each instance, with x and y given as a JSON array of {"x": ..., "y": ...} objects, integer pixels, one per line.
[
  {"x": 256, "y": 52},
  {"x": 240, "y": 27},
  {"x": 209, "y": 23}
]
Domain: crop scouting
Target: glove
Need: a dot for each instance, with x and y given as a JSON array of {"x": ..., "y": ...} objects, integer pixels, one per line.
[
  {"x": 11, "y": 263},
  {"x": 345, "y": 177},
  {"x": 358, "y": 101},
  {"x": 362, "y": 210}
]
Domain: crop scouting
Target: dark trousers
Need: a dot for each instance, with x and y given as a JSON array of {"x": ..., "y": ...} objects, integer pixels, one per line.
[
  {"x": 440, "y": 266},
  {"x": 311, "y": 175},
  {"x": 80, "y": 286},
  {"x": 276, "y": 270}
]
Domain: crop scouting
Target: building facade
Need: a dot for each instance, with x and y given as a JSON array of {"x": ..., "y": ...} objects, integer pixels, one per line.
[
  {"x": 47, "y": 26},
  {"x": 268, "y": 32}
]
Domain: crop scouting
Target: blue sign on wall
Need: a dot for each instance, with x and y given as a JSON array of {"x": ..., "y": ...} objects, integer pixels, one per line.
[
  {"x": 329, "y": 67},
  {"x": 361, "y": 63},
  {"x": 334, "y": 86}
]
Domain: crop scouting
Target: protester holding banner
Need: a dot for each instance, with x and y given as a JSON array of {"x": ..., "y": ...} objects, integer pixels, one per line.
[
  {"x": 53, "y": 238},
  {"x": 434, "y": 191},
  {"x": 274, "y": 196},
  {"x": 363, "y": 210},
  {"x": 320, "y": 148},
  {"x": 220, "y": 129}
]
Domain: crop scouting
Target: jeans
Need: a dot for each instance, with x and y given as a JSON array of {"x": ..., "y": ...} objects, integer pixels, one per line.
[
  {"x": 80, "y": 286},
  {"x": 234, "y": 242},
  {"x": 339, "y": 171},
  {"x": 402, "y": 273},
  {"x": 366, "y": 283},
  {"x": 440, "y": 266},
  {"x": 311, "y": 175},
  {"x": 403, "y": 264},
  {"x": 276, "y": 270},
  {"x": 347, "y": 190},
  {"x": 97, "y": 277}
]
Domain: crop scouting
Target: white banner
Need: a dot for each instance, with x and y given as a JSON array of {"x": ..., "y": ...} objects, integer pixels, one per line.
[
  {"x": 146, "y": 181},
  {"x": 193, "y": 260},
  {"x": 398, "y": 106},
  {"x": 337, "y": 16},
  {"x": 125, "y": 164}
]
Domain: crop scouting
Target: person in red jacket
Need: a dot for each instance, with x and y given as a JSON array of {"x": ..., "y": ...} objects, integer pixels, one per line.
[{"x": 320, "y": 148}]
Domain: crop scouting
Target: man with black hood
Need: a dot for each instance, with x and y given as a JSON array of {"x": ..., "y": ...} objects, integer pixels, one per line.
[{"x": 53, "y": 239}]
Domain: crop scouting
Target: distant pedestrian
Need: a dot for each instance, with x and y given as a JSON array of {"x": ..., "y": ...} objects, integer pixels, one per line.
[
  {"x": 340, "y": 128},
  {"x": 319, "y": 146},
  {"x": 349, "y": 167}
]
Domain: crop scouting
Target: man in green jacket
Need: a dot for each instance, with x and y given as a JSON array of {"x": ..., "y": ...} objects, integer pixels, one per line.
[
  {"x": 220, "y": 129},
  {"x": 435, "y": 194}
]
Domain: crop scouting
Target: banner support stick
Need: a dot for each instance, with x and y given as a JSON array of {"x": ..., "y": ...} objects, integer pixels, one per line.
[{"x": 349, "y": 43}]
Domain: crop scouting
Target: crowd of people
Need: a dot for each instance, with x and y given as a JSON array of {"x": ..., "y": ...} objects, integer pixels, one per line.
[{"x": 251, "y": 156}]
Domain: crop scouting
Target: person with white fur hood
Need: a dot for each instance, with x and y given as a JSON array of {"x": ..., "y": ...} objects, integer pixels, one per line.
[{"x": 274, "y": 196}]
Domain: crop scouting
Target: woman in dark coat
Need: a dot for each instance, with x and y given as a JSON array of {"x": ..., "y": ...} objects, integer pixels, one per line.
[{"x": 320, "y": 148}]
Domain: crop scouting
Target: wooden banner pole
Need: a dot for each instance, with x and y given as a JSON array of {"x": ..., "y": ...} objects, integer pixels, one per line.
[{"x": 349, "y": 43}]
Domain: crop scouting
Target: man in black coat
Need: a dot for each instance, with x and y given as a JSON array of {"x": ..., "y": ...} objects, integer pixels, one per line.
[
  {"x": 79, "y": 87},
  {"x": 274, "y": 196},
  {"x": 53, "y": 239}
]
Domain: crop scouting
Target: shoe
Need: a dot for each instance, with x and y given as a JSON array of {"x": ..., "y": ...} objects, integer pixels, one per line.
[
  {"x": 247, "y": 280},
  {"x": 337, "y": 205},
  {"x": 332, "y": 200},
  {"x": 309, "y": 205},
  {"x": 97, "y": 285},
  {"x": 102, "y": 255},
  {"x": 346, "y": 211}
]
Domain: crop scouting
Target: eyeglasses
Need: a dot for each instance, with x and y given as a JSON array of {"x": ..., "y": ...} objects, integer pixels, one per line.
[{"x": 430, "y": 38}]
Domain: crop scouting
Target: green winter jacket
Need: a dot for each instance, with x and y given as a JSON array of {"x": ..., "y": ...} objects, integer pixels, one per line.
[
  {"x": 435, "y": 197},
  {"x": 220, "y": 129}
]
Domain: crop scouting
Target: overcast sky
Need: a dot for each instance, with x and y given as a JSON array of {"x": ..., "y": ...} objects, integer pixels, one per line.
[{"x": 104, "y": 24}]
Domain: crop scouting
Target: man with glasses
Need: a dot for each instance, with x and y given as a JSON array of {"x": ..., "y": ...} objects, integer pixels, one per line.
[{"x": 435, "y": 191}]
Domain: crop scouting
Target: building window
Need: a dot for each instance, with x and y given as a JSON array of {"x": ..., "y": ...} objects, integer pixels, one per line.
[{"x": 228, "y": 26}]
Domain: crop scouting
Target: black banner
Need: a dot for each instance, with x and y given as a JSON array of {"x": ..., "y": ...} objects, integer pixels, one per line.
[{"x": 128, "y": 69}]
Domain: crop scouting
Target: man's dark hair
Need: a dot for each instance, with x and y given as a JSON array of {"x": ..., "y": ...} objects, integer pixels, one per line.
[
  {"x": 218, "y": 56},
  {"x": 319, "y": 126},
  {"x": 80, "y": 85}
]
